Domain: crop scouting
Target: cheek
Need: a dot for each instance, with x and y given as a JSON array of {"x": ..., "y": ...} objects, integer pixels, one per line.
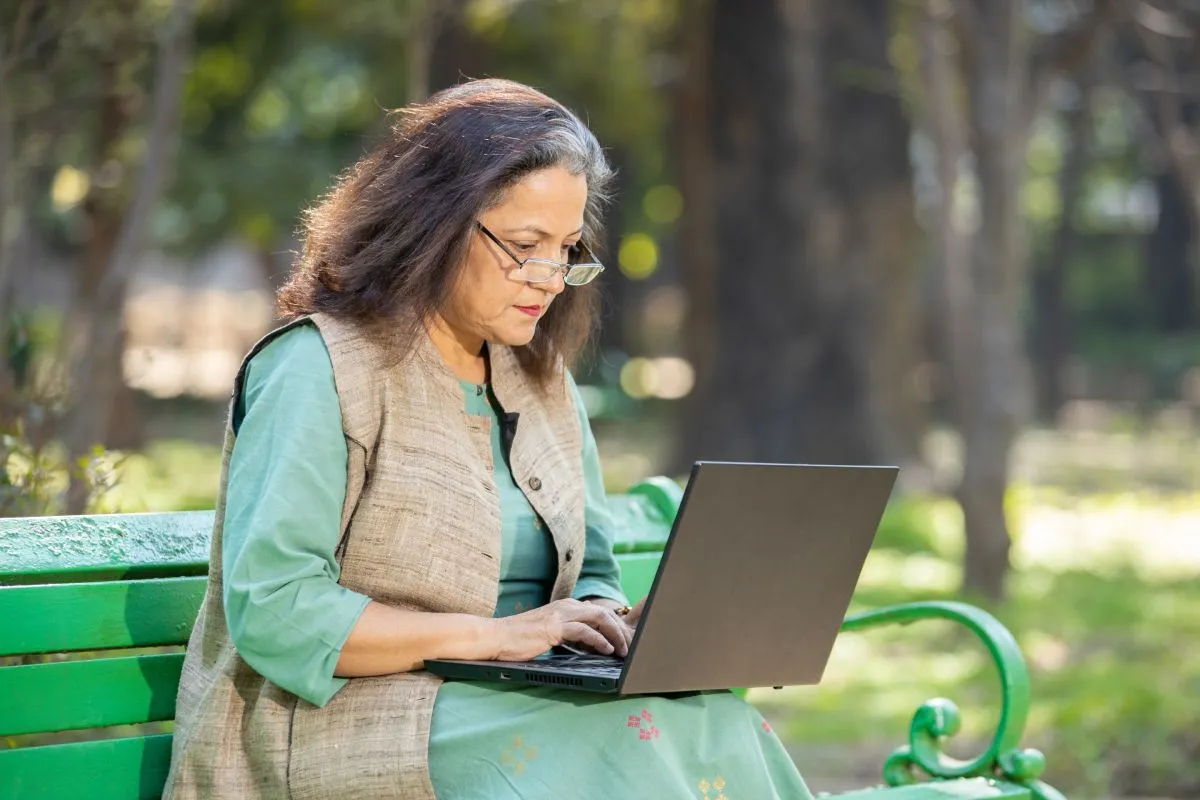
[{"x": 485, "y": 291}]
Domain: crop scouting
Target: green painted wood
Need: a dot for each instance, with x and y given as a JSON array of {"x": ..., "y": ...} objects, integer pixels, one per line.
[
  {"x": 104, "y": 547},
  {"x": 94, "y": 693},
  {"x": 123, "y": 546},
  {"x": 965, "y": 789},
  {"x": 109, "y": 769},
  {"x": 98, "y": 616},
  {"x": 637, "y": 573}
]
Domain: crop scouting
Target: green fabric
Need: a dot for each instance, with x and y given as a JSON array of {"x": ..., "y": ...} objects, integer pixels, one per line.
[
  {"x": 289, "y": 617},
  {"x": 492, "y": 742},
  {"x": 287, "y": 614}
]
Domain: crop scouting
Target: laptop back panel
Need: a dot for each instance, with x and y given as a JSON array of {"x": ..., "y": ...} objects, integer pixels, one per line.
[{"x": 757, "y": 576}]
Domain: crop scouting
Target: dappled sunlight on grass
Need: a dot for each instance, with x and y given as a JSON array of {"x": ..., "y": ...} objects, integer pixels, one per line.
[{"x": 1115, "y": 663}]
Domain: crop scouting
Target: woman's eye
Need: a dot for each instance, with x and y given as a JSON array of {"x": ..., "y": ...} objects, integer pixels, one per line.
[{"x": 524, "y": 247}]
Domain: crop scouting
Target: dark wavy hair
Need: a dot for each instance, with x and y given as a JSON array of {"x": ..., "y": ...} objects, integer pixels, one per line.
[{"x": 385, "y": 247}]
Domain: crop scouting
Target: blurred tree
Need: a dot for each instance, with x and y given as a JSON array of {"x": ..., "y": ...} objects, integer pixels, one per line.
[
  {"x": 70, "y": 97},
  {"x": 1051, "y": 326},
  {"x": 1165, "y": 51},
  {"x": 799, "y": 234},
  {"x": 989, "y": 59},
  {"x": 116, "y": 210}
]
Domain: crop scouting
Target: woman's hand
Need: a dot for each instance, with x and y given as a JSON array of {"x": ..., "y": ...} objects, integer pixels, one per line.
[
  {"x": 528, "y": 635},
  {"x": 634, "y": 616}
]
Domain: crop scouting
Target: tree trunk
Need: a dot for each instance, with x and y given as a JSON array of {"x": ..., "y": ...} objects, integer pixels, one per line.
[
  {"x": 871, "y": 181},
  {"x": 1169, "y": 280},
  {"x": 954, "y": 296},
  {"x": 1051, "y": 317},
  {"x": 983, "y": 282},
  {"x": 97, "y": 371},
  {"x": 805, "y": 197},
  {"x": 418, "y": 48},
  {"x": 693, "y": 100},
  {"x": 996, "y": 112}
]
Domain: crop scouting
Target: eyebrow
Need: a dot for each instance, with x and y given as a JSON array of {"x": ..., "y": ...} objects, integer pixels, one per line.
[{"x": 537, "y": 231}]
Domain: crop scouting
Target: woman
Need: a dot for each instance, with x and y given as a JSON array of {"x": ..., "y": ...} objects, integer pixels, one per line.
[{"x": 410, "y": 475}]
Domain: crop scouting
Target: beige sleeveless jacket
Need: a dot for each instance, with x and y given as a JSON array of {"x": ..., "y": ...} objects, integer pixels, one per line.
[{"x": 421, "y": 531}]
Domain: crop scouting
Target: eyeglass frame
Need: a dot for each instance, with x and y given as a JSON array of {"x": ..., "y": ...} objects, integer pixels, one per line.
[{"x": 558, "y": 266}]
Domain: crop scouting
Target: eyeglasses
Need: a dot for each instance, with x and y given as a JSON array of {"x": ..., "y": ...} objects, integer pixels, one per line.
[{"x": 581, "y": 266}]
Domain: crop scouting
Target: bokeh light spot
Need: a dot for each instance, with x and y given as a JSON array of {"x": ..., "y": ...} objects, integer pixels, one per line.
[{"x": 638, "y": 256}]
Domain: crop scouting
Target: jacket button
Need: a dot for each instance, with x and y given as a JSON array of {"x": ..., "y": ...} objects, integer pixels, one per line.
[{"x": 535, "y": 483}]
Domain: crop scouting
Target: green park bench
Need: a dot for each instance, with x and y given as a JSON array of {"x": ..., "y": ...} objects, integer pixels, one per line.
[{"x": 122, "y": 591}]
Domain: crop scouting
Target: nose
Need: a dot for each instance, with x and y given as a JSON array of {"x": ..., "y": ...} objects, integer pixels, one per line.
[{"x": 557, "y": 283}]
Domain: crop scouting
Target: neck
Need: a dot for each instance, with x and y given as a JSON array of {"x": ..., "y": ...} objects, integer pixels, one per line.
[{"x": 462, "y": 352}]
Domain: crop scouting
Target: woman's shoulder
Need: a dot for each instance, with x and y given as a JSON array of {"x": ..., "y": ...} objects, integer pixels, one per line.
[{"x": 298, "y": 351}]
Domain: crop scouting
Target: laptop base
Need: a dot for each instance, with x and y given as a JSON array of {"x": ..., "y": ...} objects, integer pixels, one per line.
[{"x": 599, "y": 674}]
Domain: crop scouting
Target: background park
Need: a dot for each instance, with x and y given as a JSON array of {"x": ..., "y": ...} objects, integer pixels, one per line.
[{"x": 956, "y": 235}]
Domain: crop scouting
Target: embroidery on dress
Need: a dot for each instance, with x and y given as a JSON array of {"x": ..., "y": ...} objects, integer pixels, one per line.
[
  {"x": 644, "y": 724},
  {"x": 714, "y": 789},
  {"x": 520, "y": 756}
]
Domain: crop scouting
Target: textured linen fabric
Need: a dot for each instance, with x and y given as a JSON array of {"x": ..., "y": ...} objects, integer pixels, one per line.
[{"x": 486, "y": 741}]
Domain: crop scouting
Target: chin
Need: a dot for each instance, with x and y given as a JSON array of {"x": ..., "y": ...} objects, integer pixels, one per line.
[{"x": 515, "y": 338}]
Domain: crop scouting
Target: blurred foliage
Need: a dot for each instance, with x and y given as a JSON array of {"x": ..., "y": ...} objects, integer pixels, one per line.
[
  {"x": 282, "y": 95},
  {"x": 34, "y": 468}
]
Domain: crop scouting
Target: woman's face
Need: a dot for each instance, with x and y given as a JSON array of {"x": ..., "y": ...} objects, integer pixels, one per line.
[{"x": 541, "y": 216}]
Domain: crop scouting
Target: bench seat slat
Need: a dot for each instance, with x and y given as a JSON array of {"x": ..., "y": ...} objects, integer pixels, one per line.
[
  {"x": 89, "y": 694},
  {"x": 98, "y": 616},
  {"x": 109, "y": 769}
]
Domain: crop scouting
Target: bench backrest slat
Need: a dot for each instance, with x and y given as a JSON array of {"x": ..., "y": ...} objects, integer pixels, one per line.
[
  {"x": 104, "y": 547},
  {"x": 98, "y": 616},
  {"x": 92, "y": 693},
  {"x": 107, "y": 769}
]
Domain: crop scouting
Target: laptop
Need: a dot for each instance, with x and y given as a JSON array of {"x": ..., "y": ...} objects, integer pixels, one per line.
[{"x": 751, "y": 589}]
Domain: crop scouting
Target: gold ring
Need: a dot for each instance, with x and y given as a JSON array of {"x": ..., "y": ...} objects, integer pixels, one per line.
[{"x": 623, "y": 611}]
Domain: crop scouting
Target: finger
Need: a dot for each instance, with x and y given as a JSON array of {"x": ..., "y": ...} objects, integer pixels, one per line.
[
  {"x": 608, "y": 623},
  {"x": 582, "y": 633},
  {"x": 635, "y": 614}
]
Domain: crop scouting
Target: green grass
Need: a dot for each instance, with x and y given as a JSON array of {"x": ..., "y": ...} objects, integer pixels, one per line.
[{"x": 1114, "y": 652}]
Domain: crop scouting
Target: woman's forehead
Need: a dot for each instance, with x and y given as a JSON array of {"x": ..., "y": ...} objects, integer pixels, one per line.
[{"x": 549, "y": 201}]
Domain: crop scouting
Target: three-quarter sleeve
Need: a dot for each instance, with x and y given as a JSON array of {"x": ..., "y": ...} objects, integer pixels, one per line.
[
  {"x": 600, "y": 575},
  {"x": 288, "y": 617}
]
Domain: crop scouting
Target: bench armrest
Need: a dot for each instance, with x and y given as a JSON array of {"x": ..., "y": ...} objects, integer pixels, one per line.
[{"x": 939, "y": 718}]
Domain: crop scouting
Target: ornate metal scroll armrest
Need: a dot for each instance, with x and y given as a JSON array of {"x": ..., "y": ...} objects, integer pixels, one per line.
[{"x": 939, "y": 718}]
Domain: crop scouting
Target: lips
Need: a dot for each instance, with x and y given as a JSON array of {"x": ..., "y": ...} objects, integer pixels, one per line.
[{"x": 533, "y": 311}]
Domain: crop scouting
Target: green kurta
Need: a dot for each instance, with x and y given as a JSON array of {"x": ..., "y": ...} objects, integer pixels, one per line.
[{"x": 289, "y": 618}]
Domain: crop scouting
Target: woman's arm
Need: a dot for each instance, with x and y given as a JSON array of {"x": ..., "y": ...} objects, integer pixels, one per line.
[
  {"x": 387, "y": 640},
  {"x": 600, "y": 575}
]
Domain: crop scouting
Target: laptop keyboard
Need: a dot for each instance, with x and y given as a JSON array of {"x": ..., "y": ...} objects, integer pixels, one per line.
[{"x": 596, "y": 665}]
